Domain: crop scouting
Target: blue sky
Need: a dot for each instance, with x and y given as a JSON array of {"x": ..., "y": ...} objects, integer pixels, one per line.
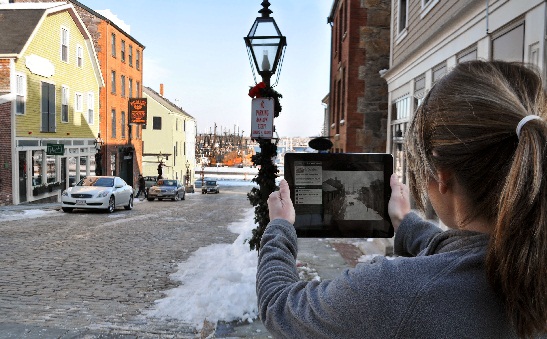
[{"x": 196, "y": 49}]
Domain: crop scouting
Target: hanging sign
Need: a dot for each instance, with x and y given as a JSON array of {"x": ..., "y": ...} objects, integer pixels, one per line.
[
  {"x": 262, "y": 117},
  {"x": 137, "y": 110}
]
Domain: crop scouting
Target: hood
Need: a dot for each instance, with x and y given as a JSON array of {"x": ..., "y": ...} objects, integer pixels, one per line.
[{"x": 88, "y": 190}]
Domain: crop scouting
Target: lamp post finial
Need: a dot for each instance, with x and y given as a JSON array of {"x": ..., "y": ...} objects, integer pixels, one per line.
[{"x": 265, "y": 11}]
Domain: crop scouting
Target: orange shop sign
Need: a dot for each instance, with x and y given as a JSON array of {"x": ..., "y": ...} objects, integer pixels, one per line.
[
  {"x": 262, "y": 118},
  {"x": 137, "y": 110}
]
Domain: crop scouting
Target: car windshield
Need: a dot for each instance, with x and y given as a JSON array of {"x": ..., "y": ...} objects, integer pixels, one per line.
[
  {"x": 167, "y": 183},
  {"x": 211, "y": 183},
  {"x": 96, "y": 181}
]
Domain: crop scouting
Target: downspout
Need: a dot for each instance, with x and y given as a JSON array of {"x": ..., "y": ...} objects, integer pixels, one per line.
[
  {"x": 487, "y": 23},
  {"x": 14, "y": 153}
]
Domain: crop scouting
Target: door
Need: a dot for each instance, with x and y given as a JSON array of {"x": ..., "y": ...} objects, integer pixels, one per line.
[{"x": 23, "y": 169}]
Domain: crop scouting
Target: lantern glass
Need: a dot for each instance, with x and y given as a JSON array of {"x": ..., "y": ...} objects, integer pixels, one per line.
[{"x": 265, "y": 43}]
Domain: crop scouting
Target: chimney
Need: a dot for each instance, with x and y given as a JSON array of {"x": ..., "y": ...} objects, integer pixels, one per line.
[{"x": 161, "y": 90}]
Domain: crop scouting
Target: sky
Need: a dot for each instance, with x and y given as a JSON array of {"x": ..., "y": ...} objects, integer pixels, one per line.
[
  {"x": 196, "y": 50},
  {"x": 217, "y": 281}
]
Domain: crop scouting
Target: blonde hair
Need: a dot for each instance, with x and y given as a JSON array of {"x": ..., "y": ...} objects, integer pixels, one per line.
[{"x": 466, "y": 125}]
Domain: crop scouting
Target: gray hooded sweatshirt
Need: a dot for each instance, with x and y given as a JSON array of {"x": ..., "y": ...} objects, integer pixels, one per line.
[{"x": 437, "y": 288}]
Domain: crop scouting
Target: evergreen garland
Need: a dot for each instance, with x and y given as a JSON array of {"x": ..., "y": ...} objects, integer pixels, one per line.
[{"x": 258, "y": 197}]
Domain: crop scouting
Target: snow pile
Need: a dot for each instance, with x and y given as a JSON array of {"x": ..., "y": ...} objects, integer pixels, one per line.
[
  {"x": 25, "y": 214},
  {"x": 217, "y": 282}
]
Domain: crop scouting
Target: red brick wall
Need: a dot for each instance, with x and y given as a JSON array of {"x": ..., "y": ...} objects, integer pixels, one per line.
[
  {"x": 358, "y": 95},
  {"x": 6, "y": 162}
]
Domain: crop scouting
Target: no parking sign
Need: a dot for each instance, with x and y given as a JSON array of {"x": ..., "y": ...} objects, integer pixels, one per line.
[{"x": 262, "y": 117}]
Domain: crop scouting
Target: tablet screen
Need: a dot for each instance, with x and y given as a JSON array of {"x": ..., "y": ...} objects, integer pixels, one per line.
[{"x": 340, "y": 195}]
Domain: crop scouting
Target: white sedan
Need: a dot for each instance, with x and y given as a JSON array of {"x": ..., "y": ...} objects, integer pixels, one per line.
[{"x": 98, "y": 192}]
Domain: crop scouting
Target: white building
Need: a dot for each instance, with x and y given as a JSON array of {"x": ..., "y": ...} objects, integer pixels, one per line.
[{"x": 429, "y": 37}]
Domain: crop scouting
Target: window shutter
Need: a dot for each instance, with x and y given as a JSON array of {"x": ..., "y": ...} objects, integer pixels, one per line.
[
  {"x": 45, "y": 107},
  {"x": 51, "y": 108}
]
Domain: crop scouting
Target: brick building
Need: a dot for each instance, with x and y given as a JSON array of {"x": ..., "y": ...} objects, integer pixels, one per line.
[{"x": 358, "y": 95}]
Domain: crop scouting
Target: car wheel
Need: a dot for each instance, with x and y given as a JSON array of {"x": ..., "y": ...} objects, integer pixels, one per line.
[
  {"x": 67, "y": 209},
  {"x": 150, "y": 199},
  {"x": 129, "y": 205},
  {"x": 111, "y": 204},
  {"x": 176, "y": 198}
]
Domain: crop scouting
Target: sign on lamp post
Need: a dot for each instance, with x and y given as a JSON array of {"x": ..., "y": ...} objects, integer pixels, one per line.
[{"x": 262, "y": 117}]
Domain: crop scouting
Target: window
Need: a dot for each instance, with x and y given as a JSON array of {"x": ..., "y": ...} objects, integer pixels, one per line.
[
  {"x": 401, "y": 117},
  {"x": 90, "y": 108},
  {"x": 122, "y": 52},
  {"x": 37, "y": 165},
  {"x": 48, "y": 107},
  {"x": 123, "y": 86},
  {"x": 64, "y": 44},
  {"x": 131, "y": 55},
  {"x": 20, "y": 93},
  {"x": 533, "y": 54},
  {"x": 156, "y": 123},
  {"x": 137, "y": 131},
  {"x": 138, "y": 90},
  {"x": 438, "y": 72},
  {"x": 508, "y": 45},
  {"x": 64, "y": 104},
  {"x": 79, "y": 56},
  {"x": 138, "y": 59},
  {"x": 419, "y": 90},
  {"x": 113, "y": 123},
  {"x": 113, "y": 45},
  {"x": 79, "y": 102},
  {"x": 113, "y": 82},
  {"x": 123, "y": 125},
  {"x": 402, "y": 16},
  {"x": 130, "y": 88},
  {"x": 427, "y": 5},
  {"x": 467, "y": 55}
]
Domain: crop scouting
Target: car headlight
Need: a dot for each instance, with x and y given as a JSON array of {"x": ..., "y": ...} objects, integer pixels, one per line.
[
  {"x": 65, "y": 193},
  {"x": 102, "y": 194}
]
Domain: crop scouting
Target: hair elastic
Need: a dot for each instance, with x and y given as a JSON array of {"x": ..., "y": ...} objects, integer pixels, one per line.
[{"x": 524, "y": 121}]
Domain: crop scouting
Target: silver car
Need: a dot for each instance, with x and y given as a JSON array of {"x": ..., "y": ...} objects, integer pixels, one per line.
[
  {"x": 167, "y": 189},
  {"x": 98, "y": 192}
]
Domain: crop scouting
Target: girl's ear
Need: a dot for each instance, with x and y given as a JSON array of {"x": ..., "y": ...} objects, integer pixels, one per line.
[{"x": 445, "y": 178}]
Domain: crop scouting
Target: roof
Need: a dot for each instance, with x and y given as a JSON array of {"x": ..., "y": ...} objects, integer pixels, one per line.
[
  {"x": 17, "y": 26},
  {"x": 165, "y": 102},
  {"x": 102, "y": 17}
]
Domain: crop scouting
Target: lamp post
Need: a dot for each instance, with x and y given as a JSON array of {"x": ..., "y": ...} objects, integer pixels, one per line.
[
  {"x": 187, "y": 173},
  {"x": 98, "y": 156},
  {"x": 265, "y": 47},
  {"x": 160, "y": 166}
]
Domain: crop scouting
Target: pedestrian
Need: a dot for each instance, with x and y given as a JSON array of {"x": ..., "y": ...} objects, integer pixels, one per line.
[
  {"x": 477, "y": 149},
  {"x": 142, "y": 187}
]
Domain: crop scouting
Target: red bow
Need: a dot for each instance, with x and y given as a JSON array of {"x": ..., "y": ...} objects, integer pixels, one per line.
[{"x": 254, "y": 92}]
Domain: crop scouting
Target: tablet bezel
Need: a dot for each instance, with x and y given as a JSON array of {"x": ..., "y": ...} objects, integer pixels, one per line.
[{"x": 333, "y": 164}]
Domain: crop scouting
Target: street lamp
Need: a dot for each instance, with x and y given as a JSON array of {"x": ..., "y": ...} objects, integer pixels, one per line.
[
  {"x": 98, "y": 156},
  {"x": 187, "y": 173},
  {"x": 265, "y": 47},
  {"x": 265, "y": 44}
]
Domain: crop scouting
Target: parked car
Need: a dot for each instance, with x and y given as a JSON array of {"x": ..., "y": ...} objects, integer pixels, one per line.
[
  {"x": 167, "y": 189},
  {"x": 98, "y": 192},
  {"x": 149, "y": 181},
  {"x": 210, "y": 186}
]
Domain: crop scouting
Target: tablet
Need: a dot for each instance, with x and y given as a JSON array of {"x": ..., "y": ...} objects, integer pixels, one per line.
[{"x": 340, "y": 195}]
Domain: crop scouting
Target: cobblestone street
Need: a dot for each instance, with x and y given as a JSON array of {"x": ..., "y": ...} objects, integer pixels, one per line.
[{"x": 98, "y": 271}]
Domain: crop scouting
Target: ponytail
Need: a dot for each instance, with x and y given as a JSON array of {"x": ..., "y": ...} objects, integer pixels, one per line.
[{"x": 516, "y": 261}]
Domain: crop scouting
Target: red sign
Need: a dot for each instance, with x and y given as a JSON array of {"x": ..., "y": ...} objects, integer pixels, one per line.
[{"x": 137, "y": 110}]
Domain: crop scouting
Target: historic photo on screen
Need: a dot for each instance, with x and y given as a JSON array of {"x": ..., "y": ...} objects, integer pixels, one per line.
[{"x": 353, "y": 195}]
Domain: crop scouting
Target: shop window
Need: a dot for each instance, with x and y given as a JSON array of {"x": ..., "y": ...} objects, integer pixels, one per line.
[
  {"x": 51, "y": 169},
  {"x": 467, "y": 55},
  {"x": 438, "y": 72},
  {"x": 37, "y": 163}
]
